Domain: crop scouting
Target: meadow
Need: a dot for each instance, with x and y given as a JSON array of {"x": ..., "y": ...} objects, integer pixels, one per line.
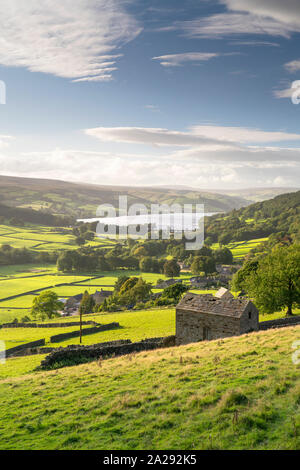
[
  {"x": 26, "y": 286},
  {"x": 234, "y": 393},
  {"x": 42, "y": 238},
  {"x": 241, "y": 249},
  {"x": 135, "y": 325}
]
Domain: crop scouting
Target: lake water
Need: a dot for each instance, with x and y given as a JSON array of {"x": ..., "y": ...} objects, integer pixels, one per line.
[{"x": 174, "y": 221}]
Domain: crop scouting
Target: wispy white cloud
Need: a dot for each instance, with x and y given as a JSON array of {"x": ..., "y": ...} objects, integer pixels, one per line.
[
  {"x": 208, "y": 155},
  {"x": 257, "y": 17},
  {"x": 293, "y": 66},
  {"x": 228, "y": 24},
  {"x": 243, "y": 134},
  {"x": 150, "y": 136},
  {"x": 152, "y": 107},
  {"x": 206, "y": 168},
  {"x": 285, "y": 93},
  {"x": 254, "y": 43},
  {"x": 71, "y": 39},
  {"x": 176, "y": 60},
  {"x": 196, "y": 136},
  {"x": 286, "y": 11}
]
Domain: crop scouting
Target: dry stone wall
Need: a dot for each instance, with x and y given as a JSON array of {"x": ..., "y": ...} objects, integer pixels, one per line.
[
  {"x": 78, "y": 354},
  {"x": 86, "y": 331}
]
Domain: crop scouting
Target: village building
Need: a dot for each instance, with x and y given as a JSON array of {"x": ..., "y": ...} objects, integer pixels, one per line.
[
  {"x": 206, "y": 317},
  {"x": 101, "y": 295},
  {"x": 197, "y": 282},
  {"x": 72, "y": 304},
  {"x": 167, "y": 283}
]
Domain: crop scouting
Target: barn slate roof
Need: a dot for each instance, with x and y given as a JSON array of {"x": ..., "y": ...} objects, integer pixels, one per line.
[{"x": 207, "y": 303}]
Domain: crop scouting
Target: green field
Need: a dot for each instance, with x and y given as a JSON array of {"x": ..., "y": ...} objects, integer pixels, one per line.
[
  {"x": 14, "y": 282},
  {"x": 41, "y": 238},
  {"x": 241, "y": 249},
  {"x": 135, "y": 325},
  {"x": 17, "y": 286},
  {"x": 17, "y": 336},
  {"x": 235, "y": 393}
]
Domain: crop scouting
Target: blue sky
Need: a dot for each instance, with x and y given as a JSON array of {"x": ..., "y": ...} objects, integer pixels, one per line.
[{"x": 190, "y": 92}]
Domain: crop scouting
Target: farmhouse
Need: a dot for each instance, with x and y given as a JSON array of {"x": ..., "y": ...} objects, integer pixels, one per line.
[
  {"x": 205, "y": 317},
  {"x": 101, "y": 295},
  {"x": 73, "y": 302}
]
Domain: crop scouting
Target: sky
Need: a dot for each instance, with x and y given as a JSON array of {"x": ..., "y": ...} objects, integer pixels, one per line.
[{"x": 199, "y": 93}]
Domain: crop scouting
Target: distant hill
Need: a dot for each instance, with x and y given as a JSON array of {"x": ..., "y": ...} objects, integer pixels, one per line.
[
  {"x": 259, "y": 194},
  {"x": 249, "y": 194},
  {"x": 81, "y": 200}
]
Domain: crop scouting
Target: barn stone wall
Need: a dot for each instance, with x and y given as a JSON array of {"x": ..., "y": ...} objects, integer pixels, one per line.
[
  {"x": 190, "y": 326},
  {"x": 249, "y": 324}
]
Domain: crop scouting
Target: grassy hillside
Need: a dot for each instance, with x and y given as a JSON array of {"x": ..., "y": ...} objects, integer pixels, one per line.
[
  {"x": 259, "y": 220},
  {"x": 235, "y": 393},
  {"x": 81, "y": 200}
]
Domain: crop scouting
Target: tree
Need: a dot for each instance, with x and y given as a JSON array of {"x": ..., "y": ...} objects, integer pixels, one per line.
[
  {"x": 46, "y": 305},
  {"x": 145, "y": 264},
  {"x": 150, "y": 264},
  {"x": 224, "y": 239},
  {"x": 89, "y": 236},
  {"x": 140, "y": 251},
  {"x": 224, "y": 256},
  {"x": 275, "y": 284},
  {"x": 238, "y": 280},
  {"x": 80, "y": 241},
  {"x": 87, "y": 304},
  {"x": 208, "y": 241},
  {"x": 171, "y": 268},
  {"x": 128, "y": 285},
  {"x": 139, "y": 292},
  {"x": 204, "y": 264},
  {"x": 65, "y": 261},
  {"x": 103, "y": 265},
  {"x": 119, "y": 282},
  {"x": 175, "y": 292}
]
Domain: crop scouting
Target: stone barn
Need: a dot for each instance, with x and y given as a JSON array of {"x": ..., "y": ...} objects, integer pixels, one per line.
[{"x": 205, "y": 317}]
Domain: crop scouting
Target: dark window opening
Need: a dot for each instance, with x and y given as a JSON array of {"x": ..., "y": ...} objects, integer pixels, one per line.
[{"x": 249, "y": 315}]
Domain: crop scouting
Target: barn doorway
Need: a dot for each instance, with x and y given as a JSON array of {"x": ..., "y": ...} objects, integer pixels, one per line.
[{"x": 206, "y": 333}]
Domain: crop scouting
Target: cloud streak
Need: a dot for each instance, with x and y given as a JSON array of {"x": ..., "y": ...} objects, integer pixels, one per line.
[
  {"x": 196, "y": 136},
  {"x": 293, "y": 66},
  {"x": 177, "y": 60},
  {"x": 246, "y": 17},
  {"x": 151, "y": 136},
  {"x": 69, "y": 39}
]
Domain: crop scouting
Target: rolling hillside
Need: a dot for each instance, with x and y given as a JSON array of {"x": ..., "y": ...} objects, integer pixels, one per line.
[
  {"x": 261, "y": 219},
  {"x": 234, "y": 393},
  {"x": 81, "y": 200}
]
